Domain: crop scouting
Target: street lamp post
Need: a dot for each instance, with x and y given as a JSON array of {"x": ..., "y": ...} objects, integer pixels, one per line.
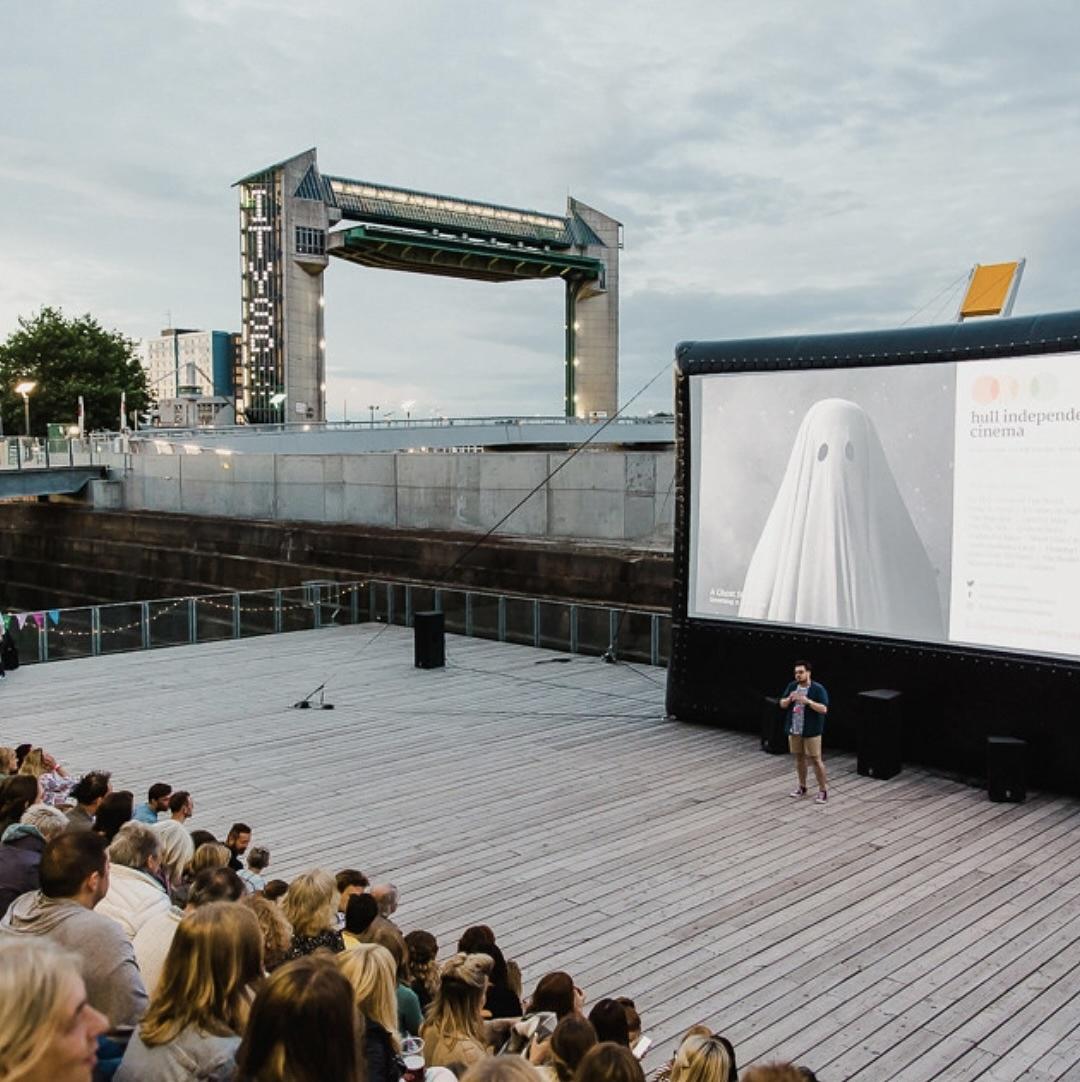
[
  {"x": 373, "y": 409},
  {"x": 24, "y": 389}
]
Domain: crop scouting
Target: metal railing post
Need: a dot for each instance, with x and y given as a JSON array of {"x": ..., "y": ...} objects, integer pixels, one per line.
[
  {"x": 144, "y": 624},
  {"x": 47, "y": 462},
  {"x": 536, "y": 621},
  {"x": 373, "y": 611},
  {"x": 573, "y": 629},
  {"x": 502, "y": 618},
  {"x": 389, "y": 602},
  {"x": 354, "y": 603},
  {"x": 654, "y": 639},
  {"x": 408, "y": 605},
  {"x": 71, "y": 451},
  {"x": 193, "y": 619},
  {"x": 613, "y": 631},
  {"x": 95, "y": 631},
  {"x": 18, "y": 454},
  {"x": 236, "y": 616},
  {"x": 315, "y": 595},
  {"x": 279, "y": 615},
  {"x": 43, "y": 639},
  {"x": 468, "y": 612},
  {"x": 438, "y": 600}
]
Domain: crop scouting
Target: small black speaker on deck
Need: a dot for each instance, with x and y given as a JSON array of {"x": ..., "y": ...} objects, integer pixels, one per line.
[
  {"x": 773, "y": 738},
  {"x": 880, "y": 733},
  {"x": 1006, "y": 769},
  {"x": 429, "y": 640}
]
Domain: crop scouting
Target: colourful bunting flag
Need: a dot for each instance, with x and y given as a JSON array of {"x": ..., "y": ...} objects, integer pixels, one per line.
[
  {"x": 21, "y": 618},
  {"x": 54, "y": 615}
]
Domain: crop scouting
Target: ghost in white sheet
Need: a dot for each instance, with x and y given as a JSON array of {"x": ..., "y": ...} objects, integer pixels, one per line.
[{"x": 839, "y": 548}]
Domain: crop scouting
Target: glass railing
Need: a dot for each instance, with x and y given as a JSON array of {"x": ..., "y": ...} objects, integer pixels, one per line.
[
  {"x": 597, "y": 630},
  {"x": 30, "y": 452}
]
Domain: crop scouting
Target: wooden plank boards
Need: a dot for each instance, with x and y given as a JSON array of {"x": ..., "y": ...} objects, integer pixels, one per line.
[{"x": 909, "y": 930}]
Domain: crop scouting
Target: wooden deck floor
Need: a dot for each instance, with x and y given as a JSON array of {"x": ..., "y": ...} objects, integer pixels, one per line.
[{"x": 910, "y": 930}]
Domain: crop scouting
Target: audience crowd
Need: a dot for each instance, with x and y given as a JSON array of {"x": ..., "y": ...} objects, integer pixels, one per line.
[{"x": 133, "y": 947}]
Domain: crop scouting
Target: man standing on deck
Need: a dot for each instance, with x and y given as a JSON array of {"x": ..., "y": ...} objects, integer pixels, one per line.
[{"x": 806, "y": 703}]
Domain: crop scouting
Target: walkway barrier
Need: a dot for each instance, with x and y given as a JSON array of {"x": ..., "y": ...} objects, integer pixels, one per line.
[
  {"x": 30, "y": 452},
  {"x": 617, "y": 633}
]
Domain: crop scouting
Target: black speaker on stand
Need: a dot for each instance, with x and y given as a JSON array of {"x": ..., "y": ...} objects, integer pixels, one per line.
[
  {"x": 880, "y": 733},
  {"x": 429, "y": 640},
  {"x": 1006, "y": 769},
  {"x": 773, "y": 738}
]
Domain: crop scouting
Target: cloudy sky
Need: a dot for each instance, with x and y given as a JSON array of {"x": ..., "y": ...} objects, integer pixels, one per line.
[{"x": 779, "y": 167}]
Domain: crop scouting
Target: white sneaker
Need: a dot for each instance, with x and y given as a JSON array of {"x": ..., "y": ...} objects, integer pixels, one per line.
[
  {"x": 822, "y": 797},
  {"x": 796, "y": 793}
]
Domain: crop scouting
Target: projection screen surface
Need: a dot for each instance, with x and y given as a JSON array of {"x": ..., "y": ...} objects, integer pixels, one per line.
[{"x": 938, "y": 503}]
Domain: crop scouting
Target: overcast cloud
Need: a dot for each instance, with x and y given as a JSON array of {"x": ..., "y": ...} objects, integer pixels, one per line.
[{"x": 779, "y": 167}]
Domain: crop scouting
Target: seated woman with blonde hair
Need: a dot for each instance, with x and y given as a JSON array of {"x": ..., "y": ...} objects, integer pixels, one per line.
[
  {"x": 454, "y": 1032},
  {"x": 200, "y": 1008},
  {"x": 704, "y": 1057},
  {"x": 663, "y": 1073},
  {"x": 9, "y": 762},
  {"x": 410, "y": 1017},
  {"x": 276, "y": 930},
  {"x": 48, "y": 1031},
  {"x": 311, "y": 907},
  {"x": 208, "y": 855},
  {"x": 56, "y": 784},
  {"x": 372, "y": 972}
]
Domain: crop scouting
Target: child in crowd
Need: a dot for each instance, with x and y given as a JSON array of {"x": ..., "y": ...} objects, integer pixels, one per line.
[{"x": 258, "y": 860}]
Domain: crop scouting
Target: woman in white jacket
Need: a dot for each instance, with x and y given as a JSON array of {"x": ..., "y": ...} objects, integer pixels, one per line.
[{"x": 135, "y": 892}]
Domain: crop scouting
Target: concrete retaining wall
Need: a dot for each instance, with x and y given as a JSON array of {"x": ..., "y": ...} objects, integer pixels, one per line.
[
  {"x": 56, "y": 555},
  {"x": 600, "y": 495}
]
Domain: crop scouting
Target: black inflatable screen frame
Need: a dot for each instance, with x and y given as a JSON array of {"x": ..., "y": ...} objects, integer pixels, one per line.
[{"x": 720, "y": 671}]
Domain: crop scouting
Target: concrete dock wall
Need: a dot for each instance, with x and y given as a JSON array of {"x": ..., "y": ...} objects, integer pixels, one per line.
[
  {"x": 602, "y": 495},
  {"x": 55, "y": 555}
]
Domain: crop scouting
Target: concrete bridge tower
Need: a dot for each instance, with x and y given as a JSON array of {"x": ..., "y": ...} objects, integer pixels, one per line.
[{"x": 286, "y": 212}]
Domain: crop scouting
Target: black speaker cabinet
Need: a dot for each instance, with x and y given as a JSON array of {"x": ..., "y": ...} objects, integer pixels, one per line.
[
  {"x": 773, "y": 738},
  {"x": 429, "y": 640},
  {"x": 880, "y": 733},
  {"x": 1006, "y": 769}
]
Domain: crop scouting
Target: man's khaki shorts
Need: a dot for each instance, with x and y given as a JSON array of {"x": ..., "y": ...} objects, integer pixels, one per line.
[{"x": 810, "y": 746}]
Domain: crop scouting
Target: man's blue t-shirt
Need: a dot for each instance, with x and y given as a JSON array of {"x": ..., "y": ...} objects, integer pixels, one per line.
[
  {"x": 143, "y": 813},
  {"x": 813, "y": 723}
]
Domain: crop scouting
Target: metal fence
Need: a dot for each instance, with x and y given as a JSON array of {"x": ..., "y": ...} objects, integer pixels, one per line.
[{"x": 58, "y": 634}]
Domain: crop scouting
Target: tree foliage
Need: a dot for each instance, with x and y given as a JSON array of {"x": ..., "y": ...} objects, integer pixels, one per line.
[{"x": 68, "y": 358}]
